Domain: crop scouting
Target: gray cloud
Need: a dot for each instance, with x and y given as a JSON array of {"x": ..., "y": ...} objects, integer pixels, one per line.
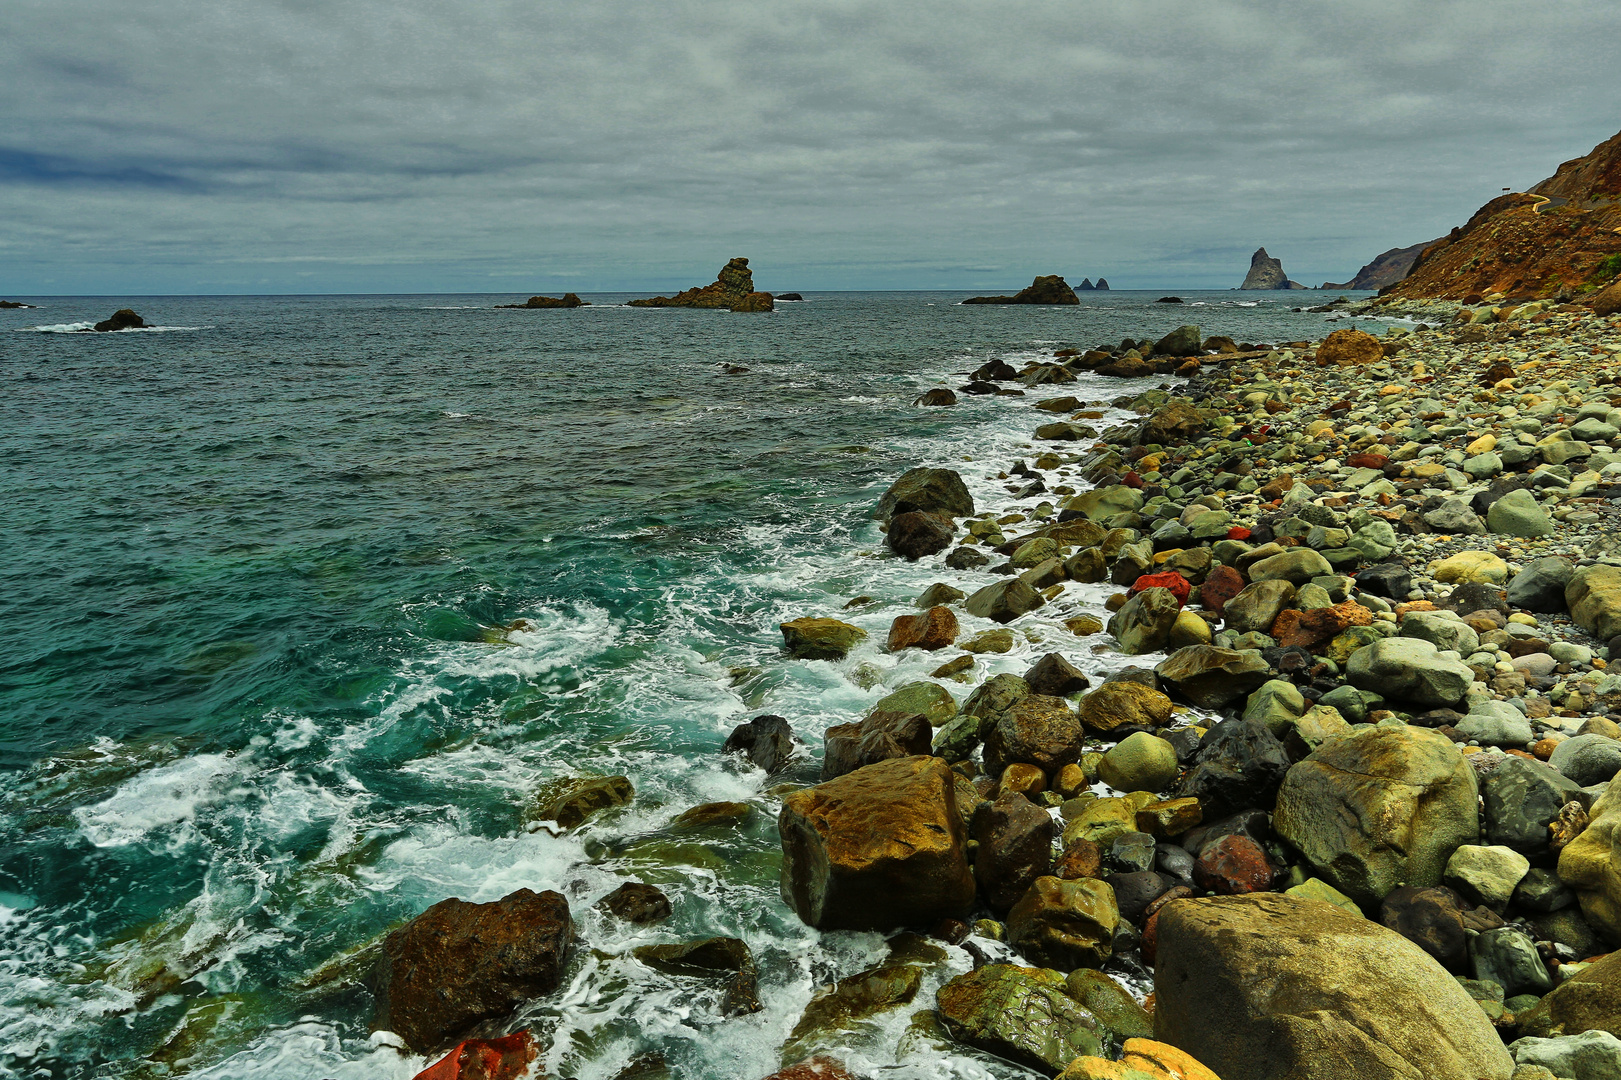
[{"x": 263, "y": 145}]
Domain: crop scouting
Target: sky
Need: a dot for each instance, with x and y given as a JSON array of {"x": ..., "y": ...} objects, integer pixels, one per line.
[{"x": 276, "y": 146}]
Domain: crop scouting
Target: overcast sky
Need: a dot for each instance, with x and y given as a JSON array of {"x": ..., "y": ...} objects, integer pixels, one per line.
[{"x": 164, "y": 146}]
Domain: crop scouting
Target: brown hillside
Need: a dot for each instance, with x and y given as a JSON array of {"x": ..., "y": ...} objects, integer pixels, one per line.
[{"x": 1550, "y": 242}]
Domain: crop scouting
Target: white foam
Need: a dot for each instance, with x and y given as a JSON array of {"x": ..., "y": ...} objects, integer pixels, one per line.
[
  {"x": 82, "y": 327},
  {"x": 157, "y": 800}
]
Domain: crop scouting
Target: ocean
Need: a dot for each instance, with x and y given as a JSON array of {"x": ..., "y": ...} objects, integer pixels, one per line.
[{"x": 305, "y": 598}]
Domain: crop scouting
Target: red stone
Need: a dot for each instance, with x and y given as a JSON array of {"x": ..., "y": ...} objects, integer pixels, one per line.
[
  {"x": 1220, "y": 586},
  {"x": 1238, "y": 532},
  {"x": 1166, "y": 579},
  {"x": 484, "y": 1059},
  {"x": 1313, "y": 630},
  {"x": 1231, "y": 866},
  {"x": 1132, "y": 480},
  {"x": 1367, "y": 461},
  {"x": 934, "y": 629}
]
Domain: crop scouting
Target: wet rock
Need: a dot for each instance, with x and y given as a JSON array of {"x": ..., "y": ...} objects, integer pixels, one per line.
[
  {"x": 994, "y": 697},
  {"x": 122, "y": 319},
  {"x": 1065, "y": 924},
  {"x": 918, "y": 533},
  {"x": 879, "y": 848},
  {"x": 1588, "y": 1001},
  {"x": 1591, "y": 865},
  {"x": 1522, "y": 798},
  {"x": 1015, "y": 848},
  {"x": 934, "y": 629},
  {"x": 1043, "y": 731},
  {"x": 1183, "y": 341},
  {"x": 848, "y": 747},
  {"x": 936, "y": 398},
  {"x": 638, "y": 903},
  {"x": 1257, "y": 606},
  {"x": 570, "y": 802},
  {"x": 1139, "y": 762},
  {"x": 567, "y": 300},
  {"x": 820, "y": 639},
  {"x": 1381, "y": 808},
  {"x": 855, "y": 997},
  {"x": 767, "y": 741},
  {"x": 966, "y": 558},
  {"x": 713, "y": 815},
  {"x": 1109, "y": 1002},
  {"x": 1004, "y": 601},
  {"x": 1240, "y": 764},
  {"x": 1213, "y": 677},
  {"x": 930, "y": 699},
  {"x": 459, "y": 965},
  {"x": 928, "y": 490},
  {"x": 1264, "y": 986},
  {"x": 1124, "y": 704},
  {"x": 1144, "y": 624},
  {"x": 1022, "y": 1014},
  {"x": 506, "y": 1058},
  {"x": 939, "y": 594},
  {"x": 727, "y": 958},
  {"x": 1055, "y": 676},
  {"x": 1231, "y": 866}
]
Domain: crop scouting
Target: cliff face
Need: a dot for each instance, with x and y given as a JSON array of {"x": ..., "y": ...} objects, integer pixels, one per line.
[
  {"x": 733, "y": 289},
  {"x": 1386, "y": 269},
  {"x": 1051, "y": 289},
  {"x": 1267, "y": 273},
  {"x": 1558, "y": 240}
]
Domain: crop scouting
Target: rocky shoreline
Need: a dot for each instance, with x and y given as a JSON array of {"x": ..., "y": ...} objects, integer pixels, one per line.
[{"x": 1376, "y": 583}]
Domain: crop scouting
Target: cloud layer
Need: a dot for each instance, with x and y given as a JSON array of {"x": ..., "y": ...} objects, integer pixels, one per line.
[{"x": 310, "y": 145}]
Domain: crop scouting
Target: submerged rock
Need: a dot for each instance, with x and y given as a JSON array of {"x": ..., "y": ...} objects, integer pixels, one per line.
[
  {"x": 570, "y": 802},
  {"x": 458, "y": 965},
  {"x": 725, "y": 957},
  {"x": 820, "y": 639}
]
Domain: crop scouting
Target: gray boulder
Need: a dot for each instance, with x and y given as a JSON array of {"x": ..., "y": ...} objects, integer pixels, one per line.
[
  {"x": 1410, "y": 670},
  {"x": 1588, "y": 759},
  {"x": 1518, "y": 514},
  {"x": 1522, "y": 797},
  {"x": 1540, "y": 587},
  {"x": 1296, "y": 566},
  {"x": 1592, "y": 1055},
  {"x": 1455, "y": 516},
  {"x": 930, "y": 490},
  {"x": 1256, "y": 606},
  {"x": 1496, "y": 723},
  {"x": 1004, "y": 601}
]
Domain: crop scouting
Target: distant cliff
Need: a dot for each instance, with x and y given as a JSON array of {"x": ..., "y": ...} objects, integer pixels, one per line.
[
  {"x": 1267, "y": 273},
  {"x": 733, "y": 288},
  {"x": 1051, "y": 289},
  {"x": 1386, "y": 269},
  {"x": 1557, "y": 240}
]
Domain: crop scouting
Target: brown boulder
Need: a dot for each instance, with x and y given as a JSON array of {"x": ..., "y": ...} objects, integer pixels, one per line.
[
  {"x": 1065, "y": 924},
  {"x": 1124, "y": 704},
  {"x": 1043, "y": 731},
  {"x": 935, "y": 629},
  {"x": 1231, "y": 866},
  {"x": 1222, "y": 584},
  {"x": 1606, "y": 301},
  {"x": 638, "y": 903},
  {"x": 1313, "y": 630},
  {"x": 1348, "y": 348},
  {"x": 880, "y": 848},
  {"x": 459, "y": 965},
  {"x": 1172, "y": 425},
  {"x": 1015, "y": 839},
  {"x": 919, "y": 533},
  {"x": 879, "y": 737},
  {"x": 1056, "y": 677}
]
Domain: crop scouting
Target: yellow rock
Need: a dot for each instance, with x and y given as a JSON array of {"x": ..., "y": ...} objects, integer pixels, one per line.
[
  {"x": 1189, "y": 629},
  {"x": 1096, "y": 1068},
  {"x": 1428, "y": 469},
  {"x": 1522, "y": 619},
  {"x": 1319, "y": 428},
  {"x": 1391, "y": 391},
  {"x": 1103, "y": 822},
  {"x": 1481, "y": 445},
  {"x": 1467, "y": 566},
  {"x": 1419, "y": 370},
  {"x": 1176, "y": 1064}
]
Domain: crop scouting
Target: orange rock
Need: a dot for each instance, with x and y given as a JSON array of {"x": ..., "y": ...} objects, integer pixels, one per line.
[
  {"x": 484, "y": 1059},
  {"x": 1313, "y": 630},
  {"x": 1081, "y": 859},
  {"x": 935, "y": 629},
  {"x": 1544, "y": 748},
  {"x": 1024, "y": 778},
  {"x": 1415, "y": 605},
  {"x": 1348, "y": 348},
  {"x": 1177, "y": 1064}
]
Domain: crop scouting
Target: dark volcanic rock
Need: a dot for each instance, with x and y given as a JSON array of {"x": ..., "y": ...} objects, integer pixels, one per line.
[
  {"x": 122, "y": 319},
  {"x": 568, "y": 300},
  {"x": 458, "y": 965},
  {"x": 1240, "y": 765},
  {"x": 1015, "y": 847},
  {"x": 733, "y": 289},
  {"x": 1051, "y": 289},
  {"x": 1267, "y": 273},
  {"x": 766, "y": 740},
  {"x": 637, "y": 903},
  {"x": 918, "y": 533}
]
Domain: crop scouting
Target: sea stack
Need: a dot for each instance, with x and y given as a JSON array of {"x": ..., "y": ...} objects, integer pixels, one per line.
[
  {"x": 733, "y": 289},
  {"x": 1052, "y": 289},
  {"x": 1267, "y": 273}
]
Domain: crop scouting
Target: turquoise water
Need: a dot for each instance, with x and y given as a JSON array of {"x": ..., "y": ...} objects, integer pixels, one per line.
[{"x": 257, "y": 704}]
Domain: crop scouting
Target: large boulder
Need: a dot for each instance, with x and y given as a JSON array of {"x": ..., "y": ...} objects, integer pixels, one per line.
[
  {"x": 1212, "y": 677},
  {"x": 820, "y": 639},
  {"x": 917, "y": 533},
  {"x": 1144, "y": 624},
  {"x": 1540, "y": 586},
  {"x": 1038, "y": 730},
  {"x": 1239, "y": 765},
  {"x": 1350, "y": 348},
  {"x": 1268, "y": 987},
  {"x": 1183, "y": 341},
  {"x": 1588, "y": 1001},
  {"x": 767, "y": 741},
  {"x": 1409, "y": 669},
  {"x": 879, "y": 848},
  {"x": 1257, "y": 606},
  {"x": 1518, "y": 514},
  {"x": 1124, "y": 704},
  {"x": 1015, "y": 839},
  {"x": 885, "y": 735},
  {"x": 1594, "y": 598},
  {"x": 931, "y": 490},
  {"x": 935, "y": 629},
  {"x": 459, "y": 965},
  {"x": 1004, "y": 601},
  {"x": 1065, "y": 924},
  {"x": 1591, "y": 864},
  {"x": 1380, "y": 808},
  {"x": 1023, "y": 1014}
]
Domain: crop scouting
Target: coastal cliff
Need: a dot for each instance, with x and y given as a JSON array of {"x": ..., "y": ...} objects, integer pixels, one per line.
[
  {"x": 1560, "y": 240},
  {"x": 733, "y": 289},
  {"x": 1386, "y": 269},
  {"x": 1267, "y": 273},
  {"x": 1051, "y": 289}
]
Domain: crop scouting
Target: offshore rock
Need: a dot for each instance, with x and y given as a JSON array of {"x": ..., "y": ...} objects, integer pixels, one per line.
[
  {"x": 820, "y": 639},
  {"x": 733, "y": 289},
  {"x": 918, "y": 533},
  {"x": 122, "y": 319},
  {"x": 767, "y": 741},
  {"x": 567, "y": 300},
  {"x": 1267, "y": 273},
  {"x": 1380, "y": 808},
  {"x": 725, "y": 957},
  {"x": 1266, "y": 987},
  {"x": 879, "y": 848},
  {"x": 458, "y": 965},
  {"x": 1051, "y": 289},
  {"x": 1022, "y": 1014}
]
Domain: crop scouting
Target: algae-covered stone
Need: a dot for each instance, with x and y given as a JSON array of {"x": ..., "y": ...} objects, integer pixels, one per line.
[
  {"x": 1110, "y": 1002},
  {"x": 1004, "y": 601},
  {"x": 1522, "y": 798},
  {"x": 929, "y": 699},
  {"x": 999, "y": 640},
  {"x": 1594, "y": 598},
  {"x": 1102, "y": 822},
  {"x": 995, "y": 696},
  {"x": 1065, "y": 924},
  {"x": 855, "y": 997},
  {"x": 1023, "y": 1014},
  {"x": 1124, "y": 704},
  {"x": 1380, "y": 808},
  {"x": 1256, "y": 607},
  {"x": 1486, "y": 874},
  {"x": 1276, "y": 704},
  {"x": 1144, "y": 623},
  {"x": 1139, "y": 762},
  {"x": 570, "y": 802},
  {"x": 1212, "y": 677},
  {"x": 1318, "y": 889},
  {"x": 820, "y": 639}
]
